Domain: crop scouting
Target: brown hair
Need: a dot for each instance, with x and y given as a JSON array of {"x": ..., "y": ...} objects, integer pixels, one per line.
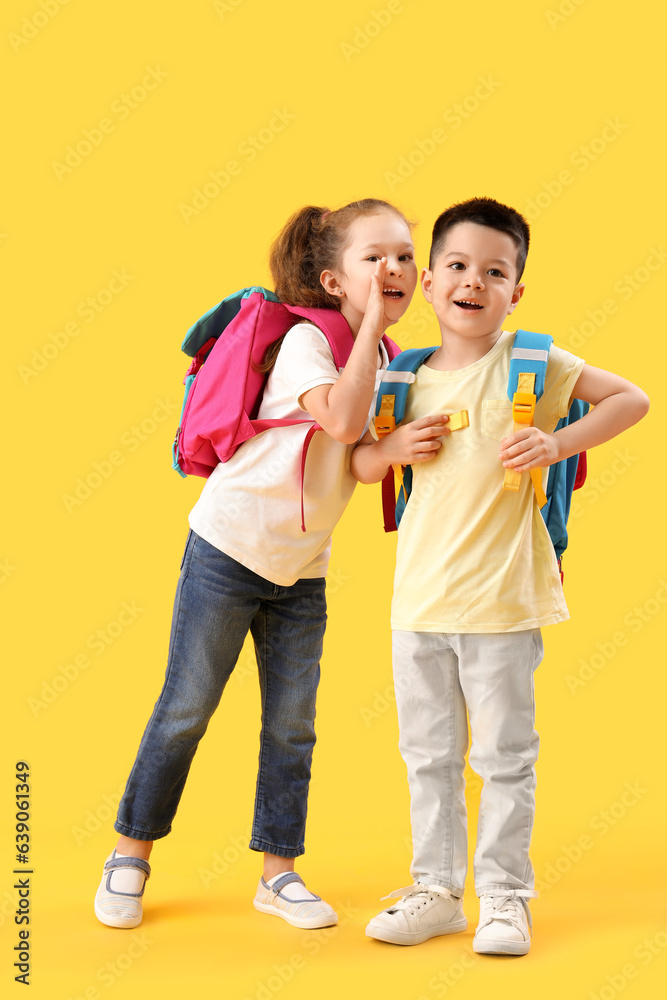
[{"x": 312, "y": 241}]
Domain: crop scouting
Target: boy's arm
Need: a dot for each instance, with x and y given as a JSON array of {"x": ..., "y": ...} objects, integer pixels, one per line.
[
  {"x": 409, "y": 443},
  {"x": 618, "y": 404}
]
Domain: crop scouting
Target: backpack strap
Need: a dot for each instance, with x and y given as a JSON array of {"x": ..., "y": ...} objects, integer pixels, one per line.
[
  {"x": 389, "y": 411},
  {"x": 525, "y": 385}
]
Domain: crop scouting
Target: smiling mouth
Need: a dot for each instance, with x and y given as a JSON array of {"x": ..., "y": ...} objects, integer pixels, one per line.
[
  {"x": 393, "y": 293},
  {"x": 468, "y": 304}
]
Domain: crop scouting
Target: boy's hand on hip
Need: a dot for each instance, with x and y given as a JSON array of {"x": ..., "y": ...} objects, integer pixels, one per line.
[
  {"x": 529, "y": 448},
  {"x": 417, "y": 441}
]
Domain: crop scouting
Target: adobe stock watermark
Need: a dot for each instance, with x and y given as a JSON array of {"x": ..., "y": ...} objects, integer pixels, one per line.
[
  {"x": 446, "y": 979},
  {"x": 599, "y": 485},
  {"x": 88, "y": 310},
  {"x": 226, "y": 858},
  {"x": 635, "y": 621},
  {"x": 644, "y": 953},
  {"x": 7, "y": 569},
  {"x": 97, "y": 819},
  {"x": 600, "y": 825},
  {"x": 311, "y": 944},
  {"x": 121, "y": 109},
  {"x": 581, "y": 159},
  {"x": 224, "y": 7},
  {"x": 454, "y": 117},
  {"x": 246, "y": 152},
  {"x": 130, "y": 441},
  {"x": 625, "y": 288},
  {"x": 110, "y": 972},
  {"x": 35, "y": 22},
  {"x": 364, "y": 34},
  {"x": 98, "y": 642},
  {"x": 565, "y": 10}
]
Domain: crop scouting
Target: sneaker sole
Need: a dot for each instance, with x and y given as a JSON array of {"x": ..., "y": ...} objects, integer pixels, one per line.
[
  {"x": 500, "y": 947},
  {"x": 308, "y": 923},
  {"x": 404, "y": 938},
  {"x": 121, "y": 922}
]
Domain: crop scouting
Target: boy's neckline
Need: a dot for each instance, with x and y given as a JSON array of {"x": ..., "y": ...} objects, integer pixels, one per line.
[{"x": 472, "y": 365}]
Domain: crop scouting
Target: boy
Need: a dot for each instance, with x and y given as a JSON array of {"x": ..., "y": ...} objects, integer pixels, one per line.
[{"x": 476, "y": 578}]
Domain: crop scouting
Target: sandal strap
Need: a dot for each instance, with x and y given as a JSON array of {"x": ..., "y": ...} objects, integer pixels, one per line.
[
  {"x": 128, "y": 862},
  {"x": 284, "y": 880}
]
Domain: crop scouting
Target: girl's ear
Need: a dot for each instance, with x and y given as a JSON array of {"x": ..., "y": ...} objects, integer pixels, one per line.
[{"x": 330, "y": 282}]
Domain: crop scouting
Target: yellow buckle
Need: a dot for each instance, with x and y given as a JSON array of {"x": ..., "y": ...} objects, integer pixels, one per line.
[{"x": 523, "y": 407}]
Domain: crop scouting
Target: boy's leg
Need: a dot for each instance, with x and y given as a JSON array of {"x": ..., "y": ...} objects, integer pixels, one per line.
[
  {"x": 496, "y": 671},
  {"x": 288, "y": 632},
  {"x": 433, "y": 739},
  {"x": 497, "y": 679}
]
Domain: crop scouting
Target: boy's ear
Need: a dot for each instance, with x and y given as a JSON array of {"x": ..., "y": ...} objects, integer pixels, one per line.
[
  {"x": 426, "y": 279},
  {"x": 330, "y": 283},
  {"x": 516, "y": 297}
]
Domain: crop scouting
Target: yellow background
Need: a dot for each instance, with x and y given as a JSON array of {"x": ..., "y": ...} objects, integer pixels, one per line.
[{"x": 360, "y": 87}]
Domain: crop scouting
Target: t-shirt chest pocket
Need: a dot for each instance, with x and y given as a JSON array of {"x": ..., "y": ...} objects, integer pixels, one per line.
[{"x": 497, "y": 420}]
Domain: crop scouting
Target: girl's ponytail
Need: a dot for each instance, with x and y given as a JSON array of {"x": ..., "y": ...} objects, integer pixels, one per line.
[{"x": 296, "y": 259}]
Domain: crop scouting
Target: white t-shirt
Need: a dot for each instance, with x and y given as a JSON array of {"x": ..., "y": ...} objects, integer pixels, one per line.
[
  {"x": 250, "y": 507},
  {"x": 473, "y": 557}
]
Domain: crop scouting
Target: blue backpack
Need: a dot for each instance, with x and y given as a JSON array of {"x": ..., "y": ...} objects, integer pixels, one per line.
[{"x": 525, "y": 386}]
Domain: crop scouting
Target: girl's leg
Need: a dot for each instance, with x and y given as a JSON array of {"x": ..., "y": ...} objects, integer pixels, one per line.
[
  {"x": 215, "y": 602},
  {"x": 288, "y": 634}
]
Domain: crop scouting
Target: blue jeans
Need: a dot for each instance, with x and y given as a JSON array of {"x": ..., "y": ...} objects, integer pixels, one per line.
[{"x": 217, "y": 601}]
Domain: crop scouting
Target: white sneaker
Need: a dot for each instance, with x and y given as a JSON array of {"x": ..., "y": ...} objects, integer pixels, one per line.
[
  {"x": 423, "y": 912},
  {"x": 505, "y": 923}
]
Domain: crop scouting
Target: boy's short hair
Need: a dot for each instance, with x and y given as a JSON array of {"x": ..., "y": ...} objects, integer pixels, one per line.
[{"x": 483, "y": 212}]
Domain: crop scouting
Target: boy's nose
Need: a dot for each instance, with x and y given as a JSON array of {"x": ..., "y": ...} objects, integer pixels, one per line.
[{"x": 476, "y": 281}]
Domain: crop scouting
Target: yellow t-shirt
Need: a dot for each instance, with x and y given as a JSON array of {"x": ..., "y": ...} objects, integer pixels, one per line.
[{"x": 473, "y": 557}]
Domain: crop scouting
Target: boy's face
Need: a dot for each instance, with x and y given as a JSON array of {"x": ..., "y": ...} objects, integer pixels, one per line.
[{"x": 473, "y": 284}]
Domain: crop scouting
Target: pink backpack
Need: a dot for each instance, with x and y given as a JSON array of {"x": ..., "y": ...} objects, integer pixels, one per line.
[{"x": 222, "y": 397}]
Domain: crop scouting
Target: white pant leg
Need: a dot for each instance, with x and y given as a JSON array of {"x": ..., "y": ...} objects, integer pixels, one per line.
[
  {"x": 433, "y": 741},
  {"x": 496, "y": 675}
]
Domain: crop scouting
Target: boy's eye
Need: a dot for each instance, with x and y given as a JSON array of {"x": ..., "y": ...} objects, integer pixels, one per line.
[
  {"x": 495, "y": 273},
  {"x": 456, "y": 265}
]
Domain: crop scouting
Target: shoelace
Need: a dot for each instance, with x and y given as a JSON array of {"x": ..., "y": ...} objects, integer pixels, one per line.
[
  {"x": 505, "y": 906},
  {"x": 409, "y": 894}
]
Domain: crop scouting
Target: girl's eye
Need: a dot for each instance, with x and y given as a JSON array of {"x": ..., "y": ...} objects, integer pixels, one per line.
[
  {"x": 405, "y": 256},
  {"x": 373, "y": 257}
]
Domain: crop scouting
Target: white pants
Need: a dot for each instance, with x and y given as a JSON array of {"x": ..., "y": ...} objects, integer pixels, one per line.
[{"x": 436, "y": 676}]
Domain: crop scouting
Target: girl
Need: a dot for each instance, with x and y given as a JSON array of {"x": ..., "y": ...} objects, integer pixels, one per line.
[{"x": 248, "y": 566}]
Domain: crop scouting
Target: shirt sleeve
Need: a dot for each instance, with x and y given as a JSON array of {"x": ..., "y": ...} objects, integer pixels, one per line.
[
  {"x": 305, "y": 361},
  {"x": 563, "y": 370}
]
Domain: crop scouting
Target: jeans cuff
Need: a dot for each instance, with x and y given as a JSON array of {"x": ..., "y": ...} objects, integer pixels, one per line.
[{"x": 257, "y": 844}]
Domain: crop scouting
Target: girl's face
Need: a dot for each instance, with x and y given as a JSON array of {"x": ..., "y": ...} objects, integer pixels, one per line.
[{"x": 371, "y": 237}]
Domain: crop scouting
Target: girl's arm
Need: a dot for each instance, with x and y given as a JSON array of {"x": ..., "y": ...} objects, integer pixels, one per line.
[
  {"x": 341, "y": 408},
  {"x": 409, "y": 443},
  {"x": 618, "y": 404}
]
